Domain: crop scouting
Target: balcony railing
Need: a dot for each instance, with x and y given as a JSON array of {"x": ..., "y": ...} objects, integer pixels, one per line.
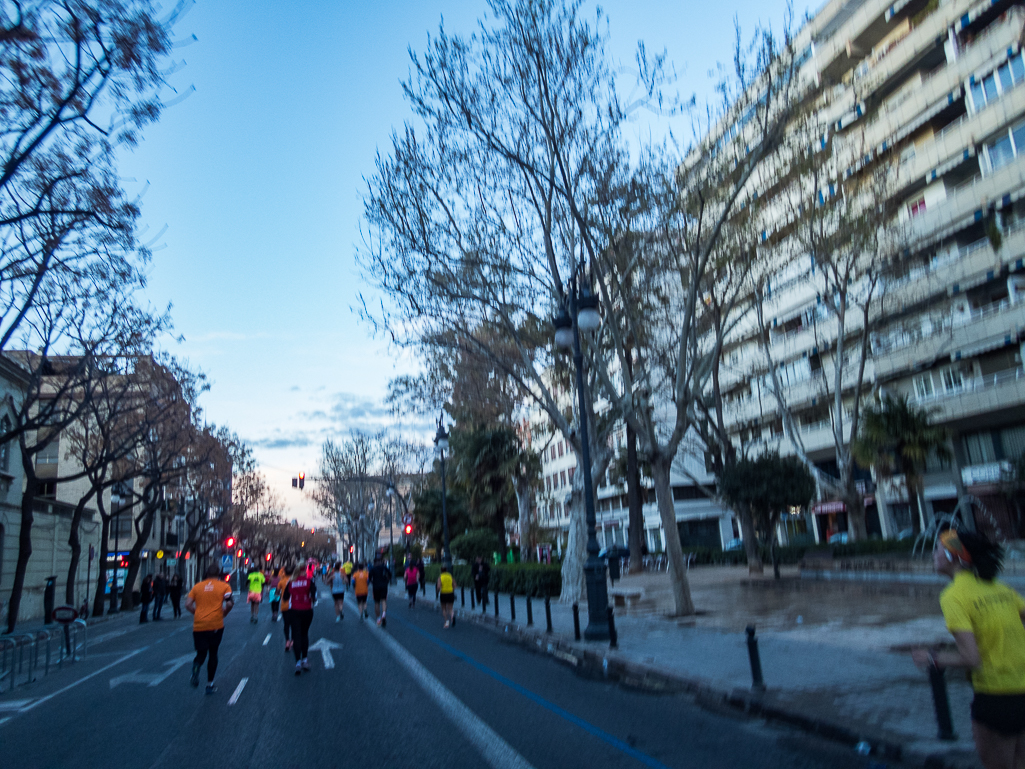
[{"x": 975, "y": 384}]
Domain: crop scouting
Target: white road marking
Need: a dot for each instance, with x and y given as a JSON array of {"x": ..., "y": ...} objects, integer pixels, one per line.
[
  {"x": 14, "y": 704},
  {"x": 498, "y": 753},
  {"x": 238, "y": 691},
  {"x": 266, "y": 640},
  {"x": 152, "y": 679},
  {"x": 325, "y": 646}
]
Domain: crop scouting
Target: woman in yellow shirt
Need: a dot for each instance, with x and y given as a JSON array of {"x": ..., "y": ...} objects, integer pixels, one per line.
[
  {"x": 447, "y": 596},
  {"x": 987, "y": 620}
]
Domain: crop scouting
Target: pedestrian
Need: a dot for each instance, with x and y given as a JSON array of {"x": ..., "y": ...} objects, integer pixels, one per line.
[
  {"x": 380, "y": 578},
  {"x": 412, "y": 584},
  {"x": 301, "y": 593},
  {"x": 421, "y": 570},
  {"x": 347, "y": 567},
  {"x": 145, "y": 597},
  {"x": 986, "y": 619},
  {"x": 274, "y": 596},
  {"x": 159, "y": 594},
  {"x": 447, "y": 596},
  {"x": 360, "y": 587},
  {"x": 209, "y": 602},
  {"x": 174, "y": 590},
  {"x": 256, "y": 580},
  {"x": 286, "y": 612},
  {"x": 481, "y": 574},
  {"x": 336, "y": 581}
]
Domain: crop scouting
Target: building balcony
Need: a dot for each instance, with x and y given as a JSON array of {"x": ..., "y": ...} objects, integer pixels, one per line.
[{"x": 979, "y": 396}]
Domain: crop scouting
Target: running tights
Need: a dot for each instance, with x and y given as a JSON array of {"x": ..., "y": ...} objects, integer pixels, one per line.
[
  {"x": 207, "y": 641},
  {"x": 301, "y": 621},
  {"x": 286, "y": 622}
]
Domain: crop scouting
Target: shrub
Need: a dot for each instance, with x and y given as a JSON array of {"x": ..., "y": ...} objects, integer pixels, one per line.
[
  {"x": 476, "y": 542},
  {"x": 535, "y": 579}
]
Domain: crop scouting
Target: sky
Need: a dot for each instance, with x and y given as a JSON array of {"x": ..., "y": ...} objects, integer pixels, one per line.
[{"x": 252, "y": 190}]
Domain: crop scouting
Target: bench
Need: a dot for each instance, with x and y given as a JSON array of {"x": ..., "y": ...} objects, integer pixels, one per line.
[{"x": 626, "y": 599}]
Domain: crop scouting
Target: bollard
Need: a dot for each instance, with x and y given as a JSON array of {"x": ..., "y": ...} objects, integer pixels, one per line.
[
  {"x": 530, "y": 613},
  {"x": 496, "y": 603},
  {"x": 756, "y": 664},
  {"x": 941, "y": 703},
  {"x": 473, "y": 604},
  {"x": 576, "y": 622},
  {"x": 512, "y": 606},
  {"x": 435, "y": 592},
  {"x": 548, "y": 614},
  {"x": 613, "y": 637},
  {"x": 462, "y": 597}
]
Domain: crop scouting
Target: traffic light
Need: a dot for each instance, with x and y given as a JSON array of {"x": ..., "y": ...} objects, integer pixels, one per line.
[
  {"x": 408, "y": 529},
  {"x": 352, "y": 549},
  {"x": 302, "y": 480},
  {"x": 267, "y": 557},
  {"x": 239, "y": 553},
  {"x": 229, "y": 542}
]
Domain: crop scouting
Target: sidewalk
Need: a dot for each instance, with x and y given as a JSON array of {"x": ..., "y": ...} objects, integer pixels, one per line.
[{"x": 822, "y": 676}]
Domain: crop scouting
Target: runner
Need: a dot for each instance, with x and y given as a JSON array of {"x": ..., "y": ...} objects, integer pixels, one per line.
[
  {"x": 360, "y": 580},
  {"x": 412, "y": 583},
  {"x": 274, "y": 596},
  {"x": 256, "y": 580},
  {"x": 347, "y": 568},
  {"x": 336, "y": 579},
  {"x": 286, "y": 612},
  {"x": 380, "y": 576},
  {"x": 447, "y": 595},
  {"x": 209, "y": 602},
  {"x": 301, "y": 592}
]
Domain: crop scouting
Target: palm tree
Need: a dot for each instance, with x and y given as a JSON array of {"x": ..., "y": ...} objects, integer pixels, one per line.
[{"x": 896, "y": 438}]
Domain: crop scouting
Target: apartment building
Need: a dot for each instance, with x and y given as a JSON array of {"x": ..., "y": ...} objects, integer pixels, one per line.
[{"x": 934, "y": 93}]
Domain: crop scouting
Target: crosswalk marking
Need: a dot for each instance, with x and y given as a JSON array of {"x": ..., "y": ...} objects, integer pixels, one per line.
[{"x": 238, "y": 691}]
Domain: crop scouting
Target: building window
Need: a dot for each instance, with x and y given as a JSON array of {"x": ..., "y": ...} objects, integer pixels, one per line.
[
  {"x": 988, "y": 89},
  {"x": 50, "y": 453},
  {"x": 563, "y": 475},
  {"x": 954, "y": 379},
  {"x": 918, "y": 207},
  {"x": 48, "y": 490},
  {"x": 923, "y": 386},
  {"x": 1005, "y": 147},
  {"x": 5, "y": 448},
  {"x": 548, "y": 484},
  {"x": 560, "y": 448}
]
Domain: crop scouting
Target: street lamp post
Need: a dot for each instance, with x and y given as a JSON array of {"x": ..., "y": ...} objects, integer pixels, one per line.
[
  {"x": 441, "y": 442},
  {"x": 113, "y": 583},
  {"x": 583, "y": 316}
]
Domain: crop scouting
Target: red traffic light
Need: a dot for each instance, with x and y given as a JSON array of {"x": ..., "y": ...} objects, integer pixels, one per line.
[
  {"x": 268, "y": 557},
  {"x": 229, "y": 542},
  {"x": 239, "y": 553},
  {"x": 302, "y": 480},
  {"x": 409, "y": 529},
  {"x": 352, "y": 549}
]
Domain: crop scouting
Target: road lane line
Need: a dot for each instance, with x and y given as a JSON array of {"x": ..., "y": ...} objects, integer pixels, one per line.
[
  {"x": 498, "y": 753},
  {"x": 266, "y": 640},
  {"x": 238, "y": 691},
  {"x": 41, "y": 700},
  {"x": 562, "y": 713}
]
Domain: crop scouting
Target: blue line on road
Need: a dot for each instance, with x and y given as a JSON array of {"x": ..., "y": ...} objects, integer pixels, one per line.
[{"x": 575, "y": 720}]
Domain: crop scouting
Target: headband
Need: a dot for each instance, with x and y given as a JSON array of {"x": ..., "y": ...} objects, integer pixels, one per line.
[{"x": 953, "y": 545}]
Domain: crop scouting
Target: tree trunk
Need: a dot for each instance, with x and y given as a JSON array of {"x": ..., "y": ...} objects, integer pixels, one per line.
[
  {"x": 101, "y": 569},
  {"x": 683, "y": 604},
  {"x": 747, "y": 530},
  {"x": 576, "y": 551},
  {"x": 24, "y": 538},
  {"x": 523, "y": 489},
  {"x": 633, "y": 495},
  {"x": 76, "y": 548},
  {"x": 855, "y": 504},
  {"x": 135, "y": 558}
]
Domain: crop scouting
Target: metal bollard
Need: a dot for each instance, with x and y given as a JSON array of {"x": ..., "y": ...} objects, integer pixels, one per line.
[
  {"x": 548, "y": 614},
  {"x": 613, "y": 636},
  {"x": 473, "y": 603},
  {"x": 530, "y": 613},
  {"x": 941, "y": 703},
  {"x": 512, "y": 606},
  {"x": 435, "y": 592},
  {"x": 576, "y": 621},
  {"x": 758, "y": 684},
  {"x": 462, "y": 596},
  {"x": 496, "y": 603}
]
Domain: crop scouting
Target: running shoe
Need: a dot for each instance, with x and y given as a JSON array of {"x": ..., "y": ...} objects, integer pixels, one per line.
[
  {"x": 210, "y": 688},
  {"x": 288, "y": 646},
  {"x": 379, "y": 621},
  {"x": 306, "y": 664},
  {"x": 338, "y": 619},
  {"x": 195, "y": 676},
  {"x": 298, "y": 668},
  {"x": 445, "y": 625},
  {"x": 384, "y": 621}
]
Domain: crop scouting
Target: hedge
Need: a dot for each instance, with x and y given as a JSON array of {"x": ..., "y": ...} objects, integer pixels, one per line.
[
  {"x": 536, "y": 579},
  {"x": 794, "y": 553}
]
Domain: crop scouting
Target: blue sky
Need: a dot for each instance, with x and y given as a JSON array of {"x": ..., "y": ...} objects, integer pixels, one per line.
[{"x": 252, "y": 196}]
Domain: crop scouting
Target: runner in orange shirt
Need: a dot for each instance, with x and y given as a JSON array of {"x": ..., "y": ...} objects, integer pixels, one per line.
[
  {"x": 286, "y": 608},
  {"x": 209, "y": 602},
  {"x": 361, "y": 582}
]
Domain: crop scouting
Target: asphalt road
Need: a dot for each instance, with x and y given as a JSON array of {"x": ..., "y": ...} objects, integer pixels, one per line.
[{"x": 412, "y": 695}]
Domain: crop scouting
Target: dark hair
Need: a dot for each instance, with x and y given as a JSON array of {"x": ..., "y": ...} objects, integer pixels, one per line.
[
  {"x": 213, "y": 570},
  {"x": 987, "y": 557}
]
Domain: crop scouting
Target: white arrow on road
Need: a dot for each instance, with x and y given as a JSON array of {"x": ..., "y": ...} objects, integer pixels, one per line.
[
  {"x": 325, "y": 646},
  {"x": 151, "y": 679}
]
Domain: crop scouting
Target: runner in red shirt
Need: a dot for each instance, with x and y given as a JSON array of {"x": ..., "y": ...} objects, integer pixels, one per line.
[{"x": 301, "y": 593}]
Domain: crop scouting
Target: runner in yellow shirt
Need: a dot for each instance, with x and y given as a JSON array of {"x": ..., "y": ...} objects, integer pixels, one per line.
[
  {"x": 209, "y": 602},
  {"x": 256, "y": 582},
  {"x": 447, "y": 596},
  {"x": 987, "y": 620}
]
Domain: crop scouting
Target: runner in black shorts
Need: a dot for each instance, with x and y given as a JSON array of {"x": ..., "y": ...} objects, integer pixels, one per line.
[{"x": 380, "y": 576}]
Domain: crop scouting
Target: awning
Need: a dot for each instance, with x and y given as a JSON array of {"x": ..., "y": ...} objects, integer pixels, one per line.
[
  {"x": 949, "y": 165},
  {"x": 823, "y": 508},
  {"x": 894, "y": 9},
  {"x": 921, "y": 118},
  {"x": 977, "y": 348},
  {"x": 973, "y": 13}
]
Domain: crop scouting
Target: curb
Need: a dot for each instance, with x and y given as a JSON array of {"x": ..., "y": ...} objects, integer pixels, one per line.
[{"x": 610, "y": 665}]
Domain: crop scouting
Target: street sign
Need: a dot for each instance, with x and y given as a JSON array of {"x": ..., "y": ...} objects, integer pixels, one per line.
[
  {"x": 65, "y": 614},
  {"x": 172, "y": 561},
  {"x": 225, "y": 563},
  {"x": 160, "y": 554},
  {"x": 407, "y": 519}
]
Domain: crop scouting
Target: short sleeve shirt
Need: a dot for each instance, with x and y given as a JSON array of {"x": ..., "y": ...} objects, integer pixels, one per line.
[
  {"x": 347, "y": 566},
  {"x": 447, "y": 583},
  {"x": 209, "y": 596},
  {"x": 991, "y": 611},
  {"x": 362, "y": 579},
  {"x": 282, "y": 584},
  {"x": 256, "y": 580}
]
